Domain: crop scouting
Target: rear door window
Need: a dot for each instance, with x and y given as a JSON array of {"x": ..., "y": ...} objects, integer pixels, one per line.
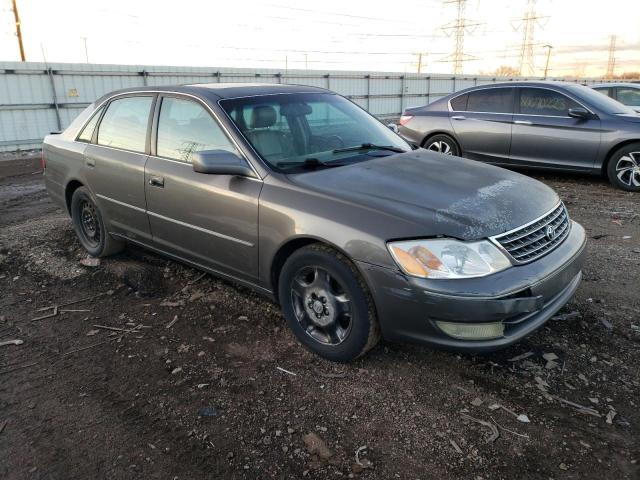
[
  {"x": 459, "y": 104},
  {"x": 540, "y": 101},
  {"x": 629, "y": 96},
  {"x": 186, "y": 127},
  {"x": 87, "y": 132},
  {"x": 491, "y": 100},
  {"x": 124, "y": 124}
]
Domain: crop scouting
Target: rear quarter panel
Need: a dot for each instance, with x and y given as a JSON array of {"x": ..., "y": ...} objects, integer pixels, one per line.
[{"x": 426, "y": 123}]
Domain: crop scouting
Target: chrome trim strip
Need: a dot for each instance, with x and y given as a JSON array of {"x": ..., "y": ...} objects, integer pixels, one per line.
[
  {"x": 170, "y": 92},
  {"x": 122, "y": 204},
  {"x": 527, "y": 224},
  {"x": 200, "y": 229}
]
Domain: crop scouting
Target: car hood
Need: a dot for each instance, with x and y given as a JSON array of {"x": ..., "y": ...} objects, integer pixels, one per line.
[{"x": 443, "y": 195}]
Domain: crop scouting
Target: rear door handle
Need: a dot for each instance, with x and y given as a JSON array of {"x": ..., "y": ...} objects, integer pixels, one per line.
[
  {"x": 522, "y": 122},
  {"x": 156, "y": 181},
  {"x": 458, "y": 117}
]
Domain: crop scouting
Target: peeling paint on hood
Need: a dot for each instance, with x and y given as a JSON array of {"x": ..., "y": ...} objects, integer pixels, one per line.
[{"x": 441, "y": 195}]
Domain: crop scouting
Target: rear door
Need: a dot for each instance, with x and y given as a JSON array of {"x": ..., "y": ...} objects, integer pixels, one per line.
[
  {"x": 208, "y": 219},
  {"x": 482, "y": 120},
  {"x": 114, "y": 164},
  {"x": 545, "y": 135}
]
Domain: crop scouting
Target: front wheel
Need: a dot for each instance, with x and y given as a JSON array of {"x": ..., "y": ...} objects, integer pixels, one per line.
[
  {"x": 623, "y": 169},
  {"x": 442, "y": 144},
  {"x": 327, "y": 304}
]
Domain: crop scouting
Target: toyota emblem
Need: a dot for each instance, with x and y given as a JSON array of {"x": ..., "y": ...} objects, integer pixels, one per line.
[{"x": 551, "y": 232}]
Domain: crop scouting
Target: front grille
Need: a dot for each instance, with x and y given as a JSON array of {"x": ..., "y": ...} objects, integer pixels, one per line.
[{"x": 538, "y": 238}]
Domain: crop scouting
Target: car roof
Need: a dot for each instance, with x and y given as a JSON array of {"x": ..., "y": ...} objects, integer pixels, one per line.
[
  {"x": 216, "y": 91},
  {"x": 616, "y": 84}
]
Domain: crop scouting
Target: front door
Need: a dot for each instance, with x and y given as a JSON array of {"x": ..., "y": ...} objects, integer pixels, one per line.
[
  {"x": 208, "y": 219},
  {"x": 482, "y": 120},
  {"x": 545, "y": 135},
  {"x": 114, "y": 165}
]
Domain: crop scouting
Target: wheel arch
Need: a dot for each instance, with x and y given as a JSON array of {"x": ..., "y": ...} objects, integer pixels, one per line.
[
  {"x": 612, "y": 150},
  {"x": 71, "y": 187},
  {"x": 289, "y": 247}
]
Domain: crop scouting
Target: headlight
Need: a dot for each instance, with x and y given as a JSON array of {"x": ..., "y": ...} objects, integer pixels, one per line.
[{"x": 448, "y": 258}]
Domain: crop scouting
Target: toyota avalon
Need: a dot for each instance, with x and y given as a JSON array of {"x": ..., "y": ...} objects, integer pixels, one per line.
[{"x": 301, "y": 195}]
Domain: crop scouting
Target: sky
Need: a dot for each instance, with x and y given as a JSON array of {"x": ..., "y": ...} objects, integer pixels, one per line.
[{"x": 325, "y": 35}]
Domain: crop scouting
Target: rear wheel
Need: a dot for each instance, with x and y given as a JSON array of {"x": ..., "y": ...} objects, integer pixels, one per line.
[
  {"x": 89, "y": 225},
  {"x": 327, "y": 304},
  {"x": 623, "y": 169},
  {"x": 442, "y": 144}
]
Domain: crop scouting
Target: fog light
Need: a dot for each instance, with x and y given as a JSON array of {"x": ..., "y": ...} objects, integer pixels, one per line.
[{"x": 472, "y": 331}]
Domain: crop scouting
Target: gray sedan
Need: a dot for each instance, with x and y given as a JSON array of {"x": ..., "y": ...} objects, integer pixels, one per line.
[
  {"x": 547, "y": 125},
  {"x": 303, "y": 196}
]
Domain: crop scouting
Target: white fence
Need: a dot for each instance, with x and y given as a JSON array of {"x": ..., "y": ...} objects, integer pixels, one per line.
[{"x": 37, "y": 98}]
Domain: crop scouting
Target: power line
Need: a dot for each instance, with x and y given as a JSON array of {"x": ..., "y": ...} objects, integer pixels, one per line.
[{"x": 611, "y": 64}]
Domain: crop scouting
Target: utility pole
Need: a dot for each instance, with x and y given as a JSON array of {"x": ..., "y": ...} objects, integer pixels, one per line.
[
  {"x": 611, "y": 64},
  {"x": 420, "y": 62},
  {"x": 528, "y": 25},
  {"x": 459, "y": 27},
  {"x": 16, "y": 15},
  {"x": 546, "y": 66}
]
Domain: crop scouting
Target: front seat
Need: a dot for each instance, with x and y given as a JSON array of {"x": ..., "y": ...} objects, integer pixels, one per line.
[{"x": 272, "y": 144}]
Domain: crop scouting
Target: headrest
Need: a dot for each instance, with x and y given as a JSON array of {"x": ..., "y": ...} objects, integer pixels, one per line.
[
  {"x": 295, "y": 109},
  {"x": 263, "y": 116}
]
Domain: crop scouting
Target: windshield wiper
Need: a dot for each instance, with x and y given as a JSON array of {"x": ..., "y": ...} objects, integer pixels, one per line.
[
  {"x": 309, "y": 164},
  {"x": 369, "y": 146}
]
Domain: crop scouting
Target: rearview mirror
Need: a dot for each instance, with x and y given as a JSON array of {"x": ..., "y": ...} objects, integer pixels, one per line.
[
  {"x": 221, "y": 162},
  {"x": 579, "y": 112}
]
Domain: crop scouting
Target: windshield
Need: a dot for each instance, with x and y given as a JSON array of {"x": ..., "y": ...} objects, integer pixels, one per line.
[
  {"x": 310, "y": 130},
  {"x": 600, "y": 101}
]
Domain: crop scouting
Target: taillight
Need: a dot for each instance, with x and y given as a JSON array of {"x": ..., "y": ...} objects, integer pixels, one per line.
[
  {"x": 43, "y": 163},
  {"x": 404, "y": 119}
]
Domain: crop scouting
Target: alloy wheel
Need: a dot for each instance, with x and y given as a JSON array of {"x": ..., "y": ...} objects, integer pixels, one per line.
[
  {"x": 321, "y": 305},
  {"x": 628, "y": 169},
  {"x": 440, "y": 147}
]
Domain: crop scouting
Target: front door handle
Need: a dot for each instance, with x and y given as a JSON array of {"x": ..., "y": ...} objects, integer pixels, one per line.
[
  {"x": 522, "y": 122},
  {"x": 90, "y": 162},
  {"x": 156, "y": 181},
  {"x": 458, "y": 117}
]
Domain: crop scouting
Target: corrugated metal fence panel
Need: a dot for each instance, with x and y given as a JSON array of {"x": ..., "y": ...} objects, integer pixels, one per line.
[{"x": 29, "y": 110}]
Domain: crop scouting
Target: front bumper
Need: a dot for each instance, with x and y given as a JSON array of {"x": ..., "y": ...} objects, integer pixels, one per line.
[{"x": 522, "y": 297}]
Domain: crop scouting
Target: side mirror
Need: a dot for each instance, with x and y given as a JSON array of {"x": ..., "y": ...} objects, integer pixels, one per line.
[
  {"x": 393, "y": 127},
  {"x": 220, "y": 162},
  {"x": 579, "y": 113}
]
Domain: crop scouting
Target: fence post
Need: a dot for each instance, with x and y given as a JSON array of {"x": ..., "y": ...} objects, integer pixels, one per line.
[
  {"x": 428, "y": 90},
  {"x": 55, "y": 97},
  {"x": 402, "y": 85},
  {"x": 144, "y": 74},
  {"x": 368, "y": 77}
]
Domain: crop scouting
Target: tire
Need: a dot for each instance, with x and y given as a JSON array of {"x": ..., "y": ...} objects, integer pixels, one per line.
[
  {"x": 347, "y": 327},
  {"x": 89, "y": 225},
  {"x": 623, "y": 168},
  {"x": 442, "y": 144}
]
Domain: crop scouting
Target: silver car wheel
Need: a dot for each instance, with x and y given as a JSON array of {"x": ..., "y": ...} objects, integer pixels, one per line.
[
  {"x": 628, "y": 169},
  {"x": 440, "y": 147}
]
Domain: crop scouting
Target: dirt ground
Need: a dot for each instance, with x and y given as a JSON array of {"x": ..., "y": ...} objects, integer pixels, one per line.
[{"x": 191, "y": 386}]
